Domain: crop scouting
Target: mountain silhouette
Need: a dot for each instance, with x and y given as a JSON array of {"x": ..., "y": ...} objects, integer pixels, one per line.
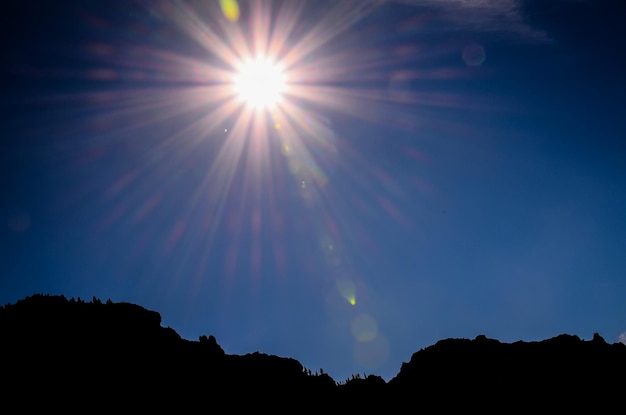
[{"x": 77, "y": 355}]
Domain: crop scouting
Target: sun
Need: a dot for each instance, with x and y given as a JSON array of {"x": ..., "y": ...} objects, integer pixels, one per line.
[{"x": 259, "y": 83}]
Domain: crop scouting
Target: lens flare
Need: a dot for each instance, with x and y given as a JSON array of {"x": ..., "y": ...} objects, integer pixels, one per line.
[
  {"x": 230, "y": 8},
  {"x": 347, "y": 289},
  {"x": 364, "y": 328},
  {"x": 372, "y": 354}
]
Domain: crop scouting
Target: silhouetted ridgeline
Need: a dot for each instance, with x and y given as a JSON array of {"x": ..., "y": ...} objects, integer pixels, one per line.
[{"x": 83, "y": 356}]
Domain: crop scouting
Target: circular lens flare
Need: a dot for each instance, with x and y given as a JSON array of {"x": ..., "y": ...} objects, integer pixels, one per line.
[{"x": 260, "y": 83}]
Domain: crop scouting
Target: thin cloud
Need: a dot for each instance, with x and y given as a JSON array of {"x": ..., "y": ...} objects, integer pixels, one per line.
[
  {"x": 499, "y": 16},
  {"x": 622, "y": 338}
]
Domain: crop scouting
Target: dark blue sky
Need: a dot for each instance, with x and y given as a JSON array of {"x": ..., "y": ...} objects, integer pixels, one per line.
[{"x": 435, "y": 169}]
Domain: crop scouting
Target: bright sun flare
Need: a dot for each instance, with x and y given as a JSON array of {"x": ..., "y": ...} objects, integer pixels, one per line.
[{"x": 259, "y": 83}]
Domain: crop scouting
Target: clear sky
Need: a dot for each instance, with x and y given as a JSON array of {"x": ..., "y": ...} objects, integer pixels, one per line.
[{"x": 425, "y": 169}]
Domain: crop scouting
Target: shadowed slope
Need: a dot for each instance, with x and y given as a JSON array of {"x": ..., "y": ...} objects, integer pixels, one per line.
[
  {"x": 558, "y": 373},
  {"x": 118, "y": 355}
]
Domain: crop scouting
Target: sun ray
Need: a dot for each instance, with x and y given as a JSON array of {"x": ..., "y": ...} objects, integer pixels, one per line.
[
  {"x": 188, "y": 20},
  {"x": 335, "y": 21},
  {"x": 222, "y": 170},
  {"x": 258, "y": 154},
  {"x": 260, "y": 16},
  {"x": 288, "y": 14}
]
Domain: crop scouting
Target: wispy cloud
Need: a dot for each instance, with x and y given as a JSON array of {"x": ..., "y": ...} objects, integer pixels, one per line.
[
  {"x": 501, "y": 16},
  {"x": 622, "y": 337}
]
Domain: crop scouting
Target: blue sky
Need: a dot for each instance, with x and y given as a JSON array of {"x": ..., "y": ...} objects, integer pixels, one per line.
[{"x": 434, "y": 169}]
